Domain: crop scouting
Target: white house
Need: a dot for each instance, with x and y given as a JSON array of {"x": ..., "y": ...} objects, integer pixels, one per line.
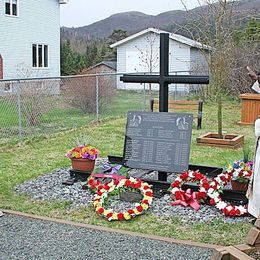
[
  {"x": 30, "y": 38},
  {"x": 139, "y": 53}
]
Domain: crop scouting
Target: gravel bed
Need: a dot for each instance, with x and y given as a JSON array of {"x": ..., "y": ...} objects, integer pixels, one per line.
[
  {"x": 49, "y": 187},
  {"x": 24, "y": 238},
  {"x": 255, "y": 255}
]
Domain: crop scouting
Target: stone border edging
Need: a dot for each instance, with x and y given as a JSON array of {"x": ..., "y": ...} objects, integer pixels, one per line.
[{"x": 118, "y": 231}]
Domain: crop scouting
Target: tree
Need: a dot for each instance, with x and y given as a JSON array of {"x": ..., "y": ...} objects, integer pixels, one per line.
[
  {"x": 71, "y": 62},
  {"x": 67, "y": 59},
  {"x": 149, "y": 57},
  {"x": 215, "y": 28},
  {"x": 246, "y": 52},
  {"x": 117, "y": 35}
]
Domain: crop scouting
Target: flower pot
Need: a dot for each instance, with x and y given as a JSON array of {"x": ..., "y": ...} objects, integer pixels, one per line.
[
  {"x": 236, "y": 185},
  {"x": 84, "y": 165}
]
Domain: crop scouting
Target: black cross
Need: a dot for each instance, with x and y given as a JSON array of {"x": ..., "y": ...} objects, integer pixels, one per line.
[{"x": 164, "y": 79}]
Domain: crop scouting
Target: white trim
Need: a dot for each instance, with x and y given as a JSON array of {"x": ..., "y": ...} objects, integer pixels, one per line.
[
  {"x": 173, "y": 36},
  {"x": 42, "y": 54},
  {"x": 11, "y": 9}
]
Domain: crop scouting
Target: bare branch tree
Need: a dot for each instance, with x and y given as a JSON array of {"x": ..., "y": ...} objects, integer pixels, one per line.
[{"x": 149, "y": 55}]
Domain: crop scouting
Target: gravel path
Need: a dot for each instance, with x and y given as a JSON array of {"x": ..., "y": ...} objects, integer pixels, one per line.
[
  {"x": 49, "y": 187},
  {"x": 24, "y": 238}
]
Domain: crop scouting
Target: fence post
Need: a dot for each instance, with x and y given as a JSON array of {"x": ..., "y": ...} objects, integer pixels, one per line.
[
  {"x": 144, "y": 98},
  {"x": 97, "y": 101},
  {"x": 18, "y": 87}
]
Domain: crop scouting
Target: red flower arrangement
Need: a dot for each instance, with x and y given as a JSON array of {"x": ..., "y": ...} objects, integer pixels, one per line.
[
  {"x": 214, "y": 190},
  {"x": 96, "y": 185},
  {"x": 188, "y": 198},
  {"x": 102, "y": 195}
]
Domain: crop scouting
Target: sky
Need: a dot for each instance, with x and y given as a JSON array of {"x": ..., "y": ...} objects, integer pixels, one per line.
[{"x": 84, "y": 12}]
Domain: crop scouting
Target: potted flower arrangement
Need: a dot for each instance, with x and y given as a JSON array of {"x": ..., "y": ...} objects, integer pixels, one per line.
[
  {"x": 83, "y": 157},
  {"x": 241, "y": 173}
]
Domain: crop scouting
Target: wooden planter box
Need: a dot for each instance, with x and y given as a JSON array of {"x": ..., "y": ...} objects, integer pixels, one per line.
[
  {"x": 250, "y": 108},
  {"x": 231, "y": 141}
]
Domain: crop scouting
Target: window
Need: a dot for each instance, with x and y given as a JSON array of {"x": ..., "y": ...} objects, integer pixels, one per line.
[
  {"x": 11, "y": 7},
  {"x": 8, "y": 87},
  {"x": 40, "y": 56}
]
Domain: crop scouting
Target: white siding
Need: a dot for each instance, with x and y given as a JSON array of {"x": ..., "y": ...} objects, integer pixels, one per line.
[
  {"x": 37, "y": 22},
  {"x": 129, "y": 60},
  {"x": 199, "y": 63},
  {"x": 179, "y": 59}
]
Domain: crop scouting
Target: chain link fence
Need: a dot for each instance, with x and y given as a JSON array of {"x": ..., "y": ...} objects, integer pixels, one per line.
[{"x": 32, "y": 107}]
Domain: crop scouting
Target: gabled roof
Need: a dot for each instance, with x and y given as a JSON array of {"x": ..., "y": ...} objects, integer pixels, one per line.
[
  {"x": 173, "y": 36},
  {"x": 109, "y": 63}
]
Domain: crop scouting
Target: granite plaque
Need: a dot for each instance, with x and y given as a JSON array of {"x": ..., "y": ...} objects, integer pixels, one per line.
[{"x": 158, "y": 141}]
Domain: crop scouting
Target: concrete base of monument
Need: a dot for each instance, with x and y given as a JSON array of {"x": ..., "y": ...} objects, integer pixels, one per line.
[
  {"x": 75, "y": 176},
  {"x": 230, "y": 141}
]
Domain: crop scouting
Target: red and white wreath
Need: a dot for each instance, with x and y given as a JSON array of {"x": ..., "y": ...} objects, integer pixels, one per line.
[
  {"x": 188, "y": 198},
  {"x": 95, "y": 185},
  {"x": 214, "y": 190},
  {"x": 101, "y": 196}
]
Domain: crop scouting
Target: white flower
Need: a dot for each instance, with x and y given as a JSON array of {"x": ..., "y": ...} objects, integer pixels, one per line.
[
  {"x": 132, "y": 179},
  {"x": 191, "y": 174},
  {"x": 219, "y": 180},
  {"x": 178, "y": 179},
  {"x": 242, "y": 209},
  {"x": 121, "y": 184},
  {"x": 221, "y": 205},
  {"x": 202, "y": 189},
  {"x": 214, "y": 195},
  {"x": 229, "y": 208},
  {"x": 174, "y": 190},
  {"x": 235, "y": 174},
  {"x": 217, "y": 200},
  {"x": 210, "y": 191}
]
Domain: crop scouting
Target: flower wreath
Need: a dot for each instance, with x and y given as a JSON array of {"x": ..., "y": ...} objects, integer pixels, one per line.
[
  {"x": 186, "y": 198},
  {"x": 102, "y": 195},
  {"x": 95, "y": 185},
  {"x": 214, "y": 190}
]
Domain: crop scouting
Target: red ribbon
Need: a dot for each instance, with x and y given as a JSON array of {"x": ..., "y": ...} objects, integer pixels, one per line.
[
  {"x": 188, "y": 198},
  {"x": 112, "y": 176}
]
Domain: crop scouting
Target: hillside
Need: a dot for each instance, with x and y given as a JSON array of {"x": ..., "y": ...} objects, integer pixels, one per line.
[{"x": 136, "y": 21}]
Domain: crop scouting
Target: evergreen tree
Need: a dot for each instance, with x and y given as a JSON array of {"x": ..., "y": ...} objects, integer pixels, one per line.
[
  {"x": 249, "y": 34},
  {"x": 67, "y": 59},
  {"x": 71, "y": 62},
  {"x": 117, "y": 35}
]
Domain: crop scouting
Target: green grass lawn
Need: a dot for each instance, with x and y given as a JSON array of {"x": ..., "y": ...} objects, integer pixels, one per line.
[
  {"x": 58, "y": 116},
  {"x": 42, "y": 155}
]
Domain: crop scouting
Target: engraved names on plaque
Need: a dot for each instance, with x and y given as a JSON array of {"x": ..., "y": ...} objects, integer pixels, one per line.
[{"x": 158, "y": 141}]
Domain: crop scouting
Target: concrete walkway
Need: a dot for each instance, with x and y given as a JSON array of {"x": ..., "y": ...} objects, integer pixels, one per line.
[{"x": 26, "y": 238}]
